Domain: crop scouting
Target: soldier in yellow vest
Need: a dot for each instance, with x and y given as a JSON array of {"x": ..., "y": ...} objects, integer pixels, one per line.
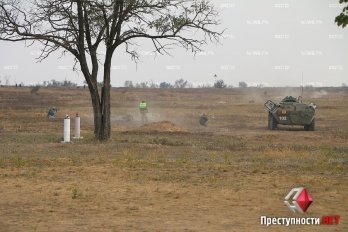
[{"x": 143, "y": 111}]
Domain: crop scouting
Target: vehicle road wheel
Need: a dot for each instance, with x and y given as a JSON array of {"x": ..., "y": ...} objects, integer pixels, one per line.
[
  {"x": 311, "y": 126},
  {"x": 272, "y": 123}
]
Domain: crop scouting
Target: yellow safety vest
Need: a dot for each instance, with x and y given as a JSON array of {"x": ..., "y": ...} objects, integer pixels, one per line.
[{"x": 142, "y": 106}]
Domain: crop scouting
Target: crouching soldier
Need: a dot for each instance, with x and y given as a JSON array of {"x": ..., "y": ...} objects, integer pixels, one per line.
[
  {"x": 51, "y": 114},
  {"x": 203, "y": 119}
]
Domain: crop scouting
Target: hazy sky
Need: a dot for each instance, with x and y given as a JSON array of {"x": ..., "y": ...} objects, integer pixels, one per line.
[{"x": 269, "y": 42}]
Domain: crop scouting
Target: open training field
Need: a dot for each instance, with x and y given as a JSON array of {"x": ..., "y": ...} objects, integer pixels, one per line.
[{"x": 174, "y": 175}]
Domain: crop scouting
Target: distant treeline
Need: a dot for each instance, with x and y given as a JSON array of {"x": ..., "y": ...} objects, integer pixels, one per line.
[
  {"x": 55, "y": 83},
  {"x": 52, "y": 83},
  {"x": 181, "y": 83}
]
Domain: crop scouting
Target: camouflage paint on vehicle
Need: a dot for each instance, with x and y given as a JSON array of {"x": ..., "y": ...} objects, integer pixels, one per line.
[{"x": 290, "y": 112}]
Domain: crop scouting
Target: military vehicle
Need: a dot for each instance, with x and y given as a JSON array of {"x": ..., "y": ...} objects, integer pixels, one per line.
[{"x": 291, "y": 111}]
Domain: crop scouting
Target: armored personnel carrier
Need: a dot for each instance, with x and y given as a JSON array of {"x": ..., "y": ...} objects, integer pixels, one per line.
[{"x": 291, "y": 111}]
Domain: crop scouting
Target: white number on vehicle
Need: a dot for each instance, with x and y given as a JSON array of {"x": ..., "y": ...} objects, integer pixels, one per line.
[{"x": 282, "y": 118}]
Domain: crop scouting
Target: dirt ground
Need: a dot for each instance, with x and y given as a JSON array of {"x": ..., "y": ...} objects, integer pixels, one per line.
[{"x": 171, "y": 174}]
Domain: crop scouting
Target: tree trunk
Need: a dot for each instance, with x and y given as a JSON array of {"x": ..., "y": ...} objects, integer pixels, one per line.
[
  {"x": 101, "y": 110},
  {"x": 102, "y": 124},
  {"x": 105, "y": 99},
  {"x": 101, "y": 104},
  {"x": 97, "y": 115}
]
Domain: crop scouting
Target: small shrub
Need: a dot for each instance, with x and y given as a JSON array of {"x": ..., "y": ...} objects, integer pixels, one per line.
[
  {"x": 167, "y": 142},
  {"x": 220, "y": 84},
  {"x": 75, "y": 193},
  {"x": 165, "y": 85},
  {"x": 75, "y": 160},
  {"x": 18, "y": 161},
  {"x": 2, "y": 162},
  {"x": 161, "y": 140},
  {"x": 128, "y": 84},
  {"x": 181, "y": 84},
  {"x": 35, "y": 89},
  {"x": 242, "y": 84}
]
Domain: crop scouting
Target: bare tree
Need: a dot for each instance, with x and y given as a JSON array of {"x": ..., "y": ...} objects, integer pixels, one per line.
[
  {"x": 165, "y": 85},
  {"x": 83, "y": 27},
  {"x": 220, "y": 84},
  {"x": 180, "y": 83},
  {"x": 242, "y": 84},
  {"x": 128, "y": 84},
  {"x": 35, "y": 89}
]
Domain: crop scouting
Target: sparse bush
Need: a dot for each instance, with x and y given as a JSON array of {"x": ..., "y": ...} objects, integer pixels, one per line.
[
  {"x": 181, "y": 83},
  {"x": 153, "y": 85},
  {"x": 18, "y": 161},
  {"x": 128, "y": 84},
  {"x": 54, "y": 83},
  {"x": 7, "y": 80},
  {"x": 75, "y": 193},
  {"x": 2, "y": 162},
  {"x": 167, "y": 142},
  {"x": 204, "y": 86},
  {"x": 143, "y": 85},
  {"x": 242, "y": 84},
  {"x": 165, "y": 85},
  {"x": 161, "y": 140},
  {"x": 220, "y": 84},
  {"x": 67, "y": 83},
  {"x": 75, "y": 160},
  {"x": 35, "y": 89}
]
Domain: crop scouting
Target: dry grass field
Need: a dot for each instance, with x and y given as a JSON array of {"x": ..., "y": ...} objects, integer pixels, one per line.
[{"x": 171, "y": 174}]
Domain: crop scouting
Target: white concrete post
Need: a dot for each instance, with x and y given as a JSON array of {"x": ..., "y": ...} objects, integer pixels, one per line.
[
  {"x": 77, "y": 126},
  {"x": 67, "y": 129}
]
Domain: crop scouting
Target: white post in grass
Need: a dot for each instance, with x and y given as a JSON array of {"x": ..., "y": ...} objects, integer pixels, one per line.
[
  {"x": 67, "y": 129},
  {"x": 77, "y": 127}
]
